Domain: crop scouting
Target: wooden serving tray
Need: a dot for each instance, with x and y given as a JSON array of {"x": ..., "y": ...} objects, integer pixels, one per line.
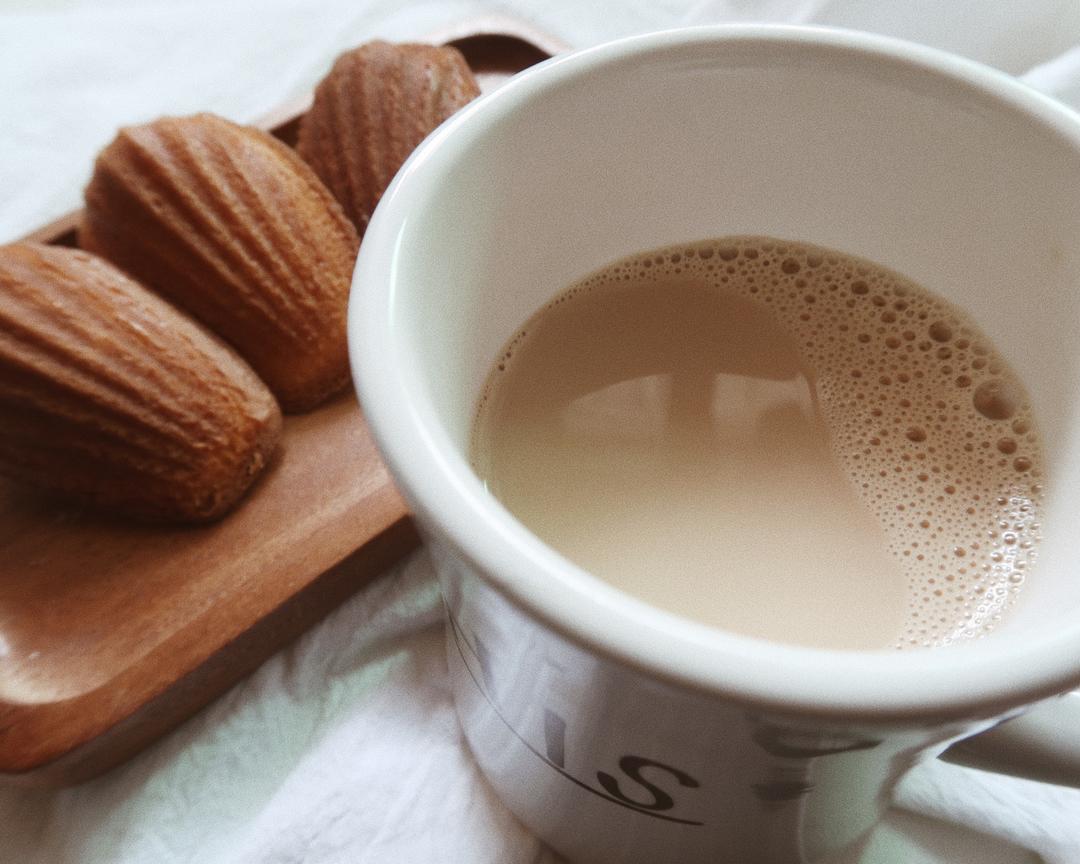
[{"x": 111, "y": 633}]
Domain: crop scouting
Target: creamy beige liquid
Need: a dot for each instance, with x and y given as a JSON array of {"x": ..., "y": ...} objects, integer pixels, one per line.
[{"x": 770, "y": 438}]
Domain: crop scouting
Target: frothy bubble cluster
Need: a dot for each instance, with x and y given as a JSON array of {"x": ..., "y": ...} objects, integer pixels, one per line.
[{"x": 932, "y": 427}]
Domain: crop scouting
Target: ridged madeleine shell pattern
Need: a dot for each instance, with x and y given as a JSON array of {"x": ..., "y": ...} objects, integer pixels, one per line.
[
  {"x": 231, "y": 225},
  {"x": 377, "y": 104},
  {"x": 111, "y": 396}
]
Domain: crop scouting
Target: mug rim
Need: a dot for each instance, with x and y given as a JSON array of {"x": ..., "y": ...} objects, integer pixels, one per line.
[{"x": 451, "y": 502}]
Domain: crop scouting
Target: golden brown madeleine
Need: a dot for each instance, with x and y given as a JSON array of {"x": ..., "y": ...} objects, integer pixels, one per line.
[
  {"x": 376, "y": 105},
  {"x": 111, "y": 396},
  {"x": 231, "y": 225}
]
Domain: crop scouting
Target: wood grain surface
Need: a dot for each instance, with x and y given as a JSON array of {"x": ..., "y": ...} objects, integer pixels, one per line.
[{"x": 111, "y": 634}]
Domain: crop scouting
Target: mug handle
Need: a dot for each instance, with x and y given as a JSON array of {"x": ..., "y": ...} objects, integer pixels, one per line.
[{"x": 1042, "y": 744}]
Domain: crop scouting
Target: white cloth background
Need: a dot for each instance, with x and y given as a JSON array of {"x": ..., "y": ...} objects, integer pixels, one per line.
[{"x": 344, "y": 747}]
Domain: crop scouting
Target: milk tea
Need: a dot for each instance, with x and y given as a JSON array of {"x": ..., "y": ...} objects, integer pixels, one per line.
[{"x": 771, "y": 438}]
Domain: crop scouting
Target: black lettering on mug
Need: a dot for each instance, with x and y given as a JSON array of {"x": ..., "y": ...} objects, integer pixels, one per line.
[
  {"x": 483, "y": 657},
  {"x": 632, "y": 767},
  {"x": 554, "y": 738},
  {"x": 792, "y": 744}
]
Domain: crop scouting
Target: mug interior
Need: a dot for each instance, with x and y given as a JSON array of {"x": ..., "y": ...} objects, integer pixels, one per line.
[{"x": 948, "y": 172}]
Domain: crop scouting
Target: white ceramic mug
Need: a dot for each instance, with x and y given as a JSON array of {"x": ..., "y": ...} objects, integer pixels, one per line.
[{"x": 616, "y": 731}]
